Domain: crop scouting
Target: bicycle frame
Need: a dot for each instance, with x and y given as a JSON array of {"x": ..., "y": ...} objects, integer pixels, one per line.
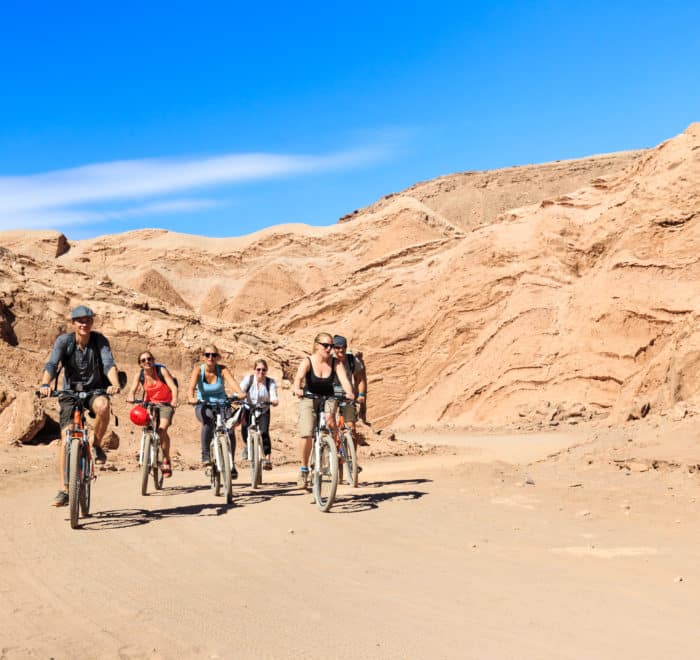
[
  {"x": 254, "y": 444},
  {"x": 151, "y": 427},
  {"x": 77, "y": 432},
  {"x": 220, "y": 452}
]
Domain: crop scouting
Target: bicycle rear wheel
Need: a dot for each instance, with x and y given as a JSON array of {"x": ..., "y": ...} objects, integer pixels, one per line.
[
  {"x": 351, "y": 467},
  {"x": 157, "y": 467},
  {"x": 255, "y": 457},
  {"x": 325, "y": 473},
  {"x": 74, "y": 480},
  {"x": 146, "y": 441}
]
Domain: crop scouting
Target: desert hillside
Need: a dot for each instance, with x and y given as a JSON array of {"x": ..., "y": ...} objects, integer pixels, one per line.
[{"x": 527, "y": 295}]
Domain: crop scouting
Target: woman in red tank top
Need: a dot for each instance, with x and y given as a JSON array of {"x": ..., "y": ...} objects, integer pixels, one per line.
[{"x": 159, "y": 387}]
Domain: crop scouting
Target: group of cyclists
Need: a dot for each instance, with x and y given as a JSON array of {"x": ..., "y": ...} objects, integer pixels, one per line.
[{"x": 85, "y": 357}]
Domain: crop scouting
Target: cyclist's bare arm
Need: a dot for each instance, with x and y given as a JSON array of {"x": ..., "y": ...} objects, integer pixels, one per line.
[
  {"x": 230, "y": 381},
  {"x": 131, "y": 398},
  {"x": 45, "y": 387},
  {"x": 273, "y": 394},
  {"x": 113, "y": 378},
  {"x": 300, "y": 376},
  {"x": 344, "y": 381},
  {"x": 170, "y": 382},
  {"x": 192, "y": 385}
]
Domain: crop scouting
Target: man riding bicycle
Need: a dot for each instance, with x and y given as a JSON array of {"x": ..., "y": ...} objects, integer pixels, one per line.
[
  {"x": 355, "y": 371},
  {"x": 87, "y": 362}
]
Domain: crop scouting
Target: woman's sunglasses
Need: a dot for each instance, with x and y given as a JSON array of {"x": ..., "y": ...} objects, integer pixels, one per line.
[
  {"x": 260, "y": 369},
  {"x": 324, "y": 344},
  {"x": 146, "y": 359},
  {"x": 211, "y": 355}
]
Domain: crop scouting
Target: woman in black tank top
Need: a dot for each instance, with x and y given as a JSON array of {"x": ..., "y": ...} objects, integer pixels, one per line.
[{"x": 315, "y": 375}]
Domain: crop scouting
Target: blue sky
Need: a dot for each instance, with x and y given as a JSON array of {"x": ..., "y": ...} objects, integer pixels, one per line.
[{"x": 218, "y": 118}]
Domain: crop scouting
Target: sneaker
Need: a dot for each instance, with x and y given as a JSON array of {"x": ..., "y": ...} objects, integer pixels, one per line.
[
  {"x": 244, "y": 453},
  {"x": 302, "y": 478},
  {"x": 99, "y": 454},
  {"x": 61, "y": 498},
  {"x": 267, "y": 464},
  {"x": 234, "y": 473}
]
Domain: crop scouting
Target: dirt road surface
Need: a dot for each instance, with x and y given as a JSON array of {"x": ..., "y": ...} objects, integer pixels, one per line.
[{"x": 455, "y": 555}]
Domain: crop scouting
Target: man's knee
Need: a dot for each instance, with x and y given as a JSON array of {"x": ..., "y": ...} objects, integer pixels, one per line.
[{"x": 100, "y": 406}]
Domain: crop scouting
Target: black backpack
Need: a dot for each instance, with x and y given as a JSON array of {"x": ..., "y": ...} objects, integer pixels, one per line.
[{"x": 159, "y": 373}]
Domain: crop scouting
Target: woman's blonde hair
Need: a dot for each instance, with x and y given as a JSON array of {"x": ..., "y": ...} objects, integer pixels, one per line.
[
  {"x": 260, "y": 361},
  {"x": 212, "y": 349}
]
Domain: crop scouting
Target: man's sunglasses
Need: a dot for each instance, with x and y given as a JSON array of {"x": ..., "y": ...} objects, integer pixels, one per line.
[{"x": 211, "y": 355}]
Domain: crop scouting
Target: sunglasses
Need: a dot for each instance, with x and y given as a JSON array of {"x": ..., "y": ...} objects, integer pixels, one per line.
[
  {"x": 324, "y": 344},
  {"x": 263, "y": 370},
  {"x": 146, "y": 359},
  {"x": 211, "y": 355}
]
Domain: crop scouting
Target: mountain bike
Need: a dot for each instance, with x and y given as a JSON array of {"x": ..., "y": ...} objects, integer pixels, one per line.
[
  {"x": 254, "y": 445},
  {"x": 323, "y": 462},
  {"x": 220, "y": 449},
  {"x": 150, "y": 451},
  {"x": 80, "y": 464},
  {"x": 347, "y": 454}
]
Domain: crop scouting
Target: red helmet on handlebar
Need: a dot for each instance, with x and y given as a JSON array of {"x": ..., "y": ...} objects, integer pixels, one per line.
[{"x": 139, "y": 415}]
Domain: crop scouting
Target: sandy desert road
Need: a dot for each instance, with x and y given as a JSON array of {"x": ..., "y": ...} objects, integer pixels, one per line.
[{"x": 433, "y": 557}]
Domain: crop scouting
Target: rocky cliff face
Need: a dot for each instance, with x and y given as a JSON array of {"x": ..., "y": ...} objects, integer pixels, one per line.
[{"x": 530, "y": 293}]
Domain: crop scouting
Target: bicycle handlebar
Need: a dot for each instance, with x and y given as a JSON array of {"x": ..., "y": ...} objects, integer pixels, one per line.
[
  {"x": 327, "y": 397},
  {"x": 81, "y": 395}
]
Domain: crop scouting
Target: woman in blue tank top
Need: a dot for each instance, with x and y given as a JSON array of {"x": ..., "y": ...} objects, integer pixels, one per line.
[{"x": 209, "y": 382}]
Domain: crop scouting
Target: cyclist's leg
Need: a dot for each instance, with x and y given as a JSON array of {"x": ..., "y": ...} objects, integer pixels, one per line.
[
  {"x": 331, "y": 410},
  {"x": 66, "y": 414},
  {"x": 206, "y": 416},
  {"x": 307, "y": 423},
  {"x": 264, "y": 427},
  {"x": 166, "y": 419}
]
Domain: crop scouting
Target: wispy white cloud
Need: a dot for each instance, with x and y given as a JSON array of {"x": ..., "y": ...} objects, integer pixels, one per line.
[{"x": 59, "y": 198}]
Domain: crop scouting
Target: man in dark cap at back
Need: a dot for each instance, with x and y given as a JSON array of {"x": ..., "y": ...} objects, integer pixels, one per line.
[
  {"x": 86, "y": 359},
  {"x": 356, "y": 373}
]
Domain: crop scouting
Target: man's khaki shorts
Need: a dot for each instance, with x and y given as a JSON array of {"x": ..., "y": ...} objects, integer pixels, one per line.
[
  {"x": 349, "y": 412},
  {"x": 307, "y": 415}
]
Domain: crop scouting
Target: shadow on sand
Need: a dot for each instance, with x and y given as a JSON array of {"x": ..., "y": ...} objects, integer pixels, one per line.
[
  {"x": 347, "y": 501},
  {"x": 356, "y": 501}
]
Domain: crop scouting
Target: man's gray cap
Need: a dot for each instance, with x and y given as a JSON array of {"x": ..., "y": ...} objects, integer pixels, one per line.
[
  {"x": 338, "y": 340},
  {"x": 80, "y": 311}
]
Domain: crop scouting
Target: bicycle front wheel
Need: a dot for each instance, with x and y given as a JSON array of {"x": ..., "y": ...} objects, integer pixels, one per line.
[
  {"x": 226, "y": 469},
  {"x": 255, "y": 456},
  {"x": 350, "y": 452},
  {"x": 74, "y": 479},
  {"x": 216, "y": 461},
  {"x": 86, "y": 483},
  {"x": 146, "y": 442},
  {"x": 325, "y": 472},
  {"x": 157, "y": 467}
]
